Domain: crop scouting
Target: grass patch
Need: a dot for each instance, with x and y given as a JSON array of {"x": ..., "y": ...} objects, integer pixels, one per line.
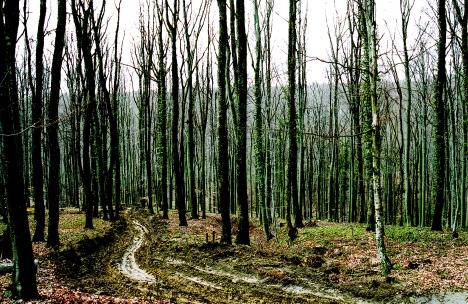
[
  {"x": 422, "y": 235},
  {"x": 327, "y": 232},
  {"x": 71, "y": 227},
  {"x": 3, "y": 227},
  {"x": 72, "y": 231}
]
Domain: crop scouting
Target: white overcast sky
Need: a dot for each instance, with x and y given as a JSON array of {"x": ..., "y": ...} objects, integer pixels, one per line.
[{"x": 320, "y": 13}]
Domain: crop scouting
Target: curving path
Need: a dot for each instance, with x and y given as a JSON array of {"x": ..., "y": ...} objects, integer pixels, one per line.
[
  {"x": 210, "y": 278},
  {"x": 232, "y": 283},
  {"x": 128, "y": 266}
]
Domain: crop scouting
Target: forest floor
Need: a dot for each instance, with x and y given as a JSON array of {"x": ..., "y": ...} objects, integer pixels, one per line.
[{"x": 144, "y": 259}]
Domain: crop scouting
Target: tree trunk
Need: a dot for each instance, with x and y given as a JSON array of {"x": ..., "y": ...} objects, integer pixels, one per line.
[
  {"x": 376, "y": 138},
  {"x": 291, "y": 188},
  {"x": 53, "y": 189},
  {"x": 463, "y": 21},
  {"x": 405, "y": 8},
  {"x": 84, "y": 46},
  {"x": 438, "y": 159},
  {"x": 37, "y": 120},
  {"x": 162, "y": 119},
  {"x": 177, "y": 158},
  {"x": 191, "y": 140},
  {"x": 259, "y": 148},
  {"x": 241, "y": 151},
  {"x": 223, "y": 160},
  {"x": 24, "y": 275},
  {"x": 366, "y": 120}
]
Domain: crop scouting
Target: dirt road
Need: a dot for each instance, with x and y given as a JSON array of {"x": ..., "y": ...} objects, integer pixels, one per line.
[{"x": 220, "y": 282}]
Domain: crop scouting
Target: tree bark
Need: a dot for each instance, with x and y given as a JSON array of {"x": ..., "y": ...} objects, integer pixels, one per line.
[
  {"x": 177, "y": 157},
  {"x": 24, "y": 275},
  {"x": 438, "y": 159},
  {"x": 162, "y": 119},
  {"x": 463, "y": 21},
  {"x": 241, "y": 151},
  {"x": 53, "y": 189},
  {"x": 84, "y": 46},
  {"x": 291, "y": 192},
  {"x": 223, "y": 161},
  {"x": 37, "y": 120},
  {"x": 405, "y": 8},
  {"x": 385, "y": 264},
  {"x": 259, "y": 147}
]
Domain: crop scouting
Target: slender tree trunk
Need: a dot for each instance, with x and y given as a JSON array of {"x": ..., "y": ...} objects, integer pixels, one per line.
[
  {"x": 291, "y": 189},
  {"x": 268, "y": 103},
  {"x": 107, "y": 110},
  {"x": 162, "y": 119},
  {"x": 376, "y": 138},
  {"x": 367, "y": 119},
  {"x": 53, "y": 189},
  {"x": 259, "y": 148},
  {"x": 177, "y": 157},
  {"x": 24, "y": 274},
  {"x": 115, "y": 152},
  {"x": 438, "y": 159},
  {"x": 37, "y": 120},
  {"x": 405, "y": 8},
  {"x": 191, "y": 140},
  {"x": 463, "y": 21},
  {"x": 241, "y": 151},
  {"x": 84, "y": 46},
  {"x": 223, "y": 161}
]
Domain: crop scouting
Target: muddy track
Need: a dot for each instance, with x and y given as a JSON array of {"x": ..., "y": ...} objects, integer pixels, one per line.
[
  {"x": 143, "y": 258},
  {"x": 128, "y": 266},
  {"x": 190, "y": 281}
]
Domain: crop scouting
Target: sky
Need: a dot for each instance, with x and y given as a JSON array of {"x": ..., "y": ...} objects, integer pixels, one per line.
[{"x": 321, "y": 15}]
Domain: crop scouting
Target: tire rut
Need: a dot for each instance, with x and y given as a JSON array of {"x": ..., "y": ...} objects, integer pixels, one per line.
[
  {"x": 128, "y": 265},
  {"x": 188, "y": 279}
]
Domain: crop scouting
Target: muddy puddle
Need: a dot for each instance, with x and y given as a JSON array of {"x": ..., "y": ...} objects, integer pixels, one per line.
[
  {"x": 446, "y": 298},
  {"x": 262, "y": 283},
  {"x": 128, "y": 265}
]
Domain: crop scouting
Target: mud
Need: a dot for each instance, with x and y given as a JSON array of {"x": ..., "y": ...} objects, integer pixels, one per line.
[
  {"x": 446, "y": 298},
  {"x": 148, "y": 260},
  {"x": 128, "y": 266},
  {"x": 213, "y": 273}
]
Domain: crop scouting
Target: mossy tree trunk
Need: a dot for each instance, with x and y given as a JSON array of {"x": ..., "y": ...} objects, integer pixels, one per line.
[
  {"x": 191, "y": 101},
  {"x": 366, "y": 117},
  {"x": 462, "y": 19},
  {"x": 376, "y": 137},
  {"x": 241, "y": 128},
  {"x": 223, "y": 161},
  {"x": 405, "y": 8},
  {"x": 438, "y": 158},
  {"x": 291, "y": 189},
  {"x": 162, "y": 114},
  {"x": 259, "y": 132}
]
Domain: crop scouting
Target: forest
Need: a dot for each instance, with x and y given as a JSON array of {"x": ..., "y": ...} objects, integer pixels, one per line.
[{"x": 207, "y": 153}]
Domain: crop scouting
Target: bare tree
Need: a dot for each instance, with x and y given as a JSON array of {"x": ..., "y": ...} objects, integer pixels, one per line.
[
  {"x": 223, "y": 162},
  {"x": 53, "y": 189},
  {"x": 178, "y": 157},
  {"x": 438, "y": 159},
  {"x": 241, "y": 148},
  {"x": 376, "y": 135},
  {"x": 24, "y": 274},
  {"x": 37, "y": 120}
]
